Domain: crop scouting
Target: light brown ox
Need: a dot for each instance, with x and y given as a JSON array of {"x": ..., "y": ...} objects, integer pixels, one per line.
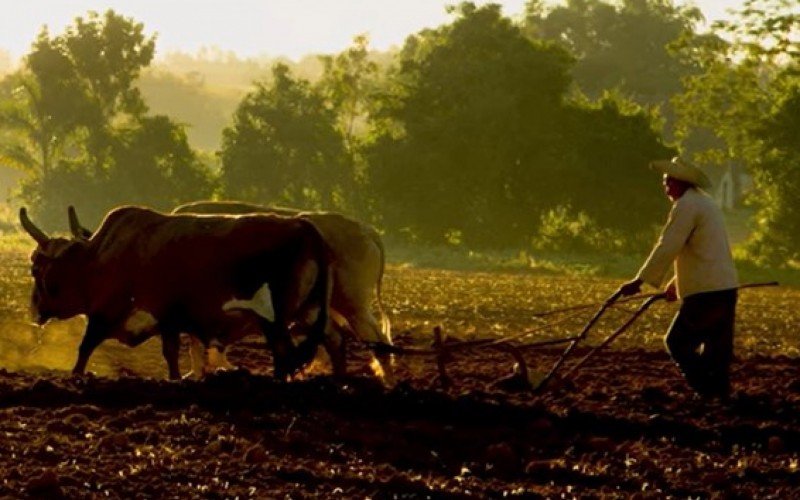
[{"x": 358, "y": 264}]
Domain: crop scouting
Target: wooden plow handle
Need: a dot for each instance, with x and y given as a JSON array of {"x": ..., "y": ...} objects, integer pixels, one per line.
[
  {"x": 608, "y": 303},
  {"x": 645, "y": 305}
]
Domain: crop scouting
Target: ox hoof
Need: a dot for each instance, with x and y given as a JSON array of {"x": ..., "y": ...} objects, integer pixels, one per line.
[
  {"x": 212, "y": 370},
  {"x": 192, "y": 375},
  {"x": 225, "y": 368}
]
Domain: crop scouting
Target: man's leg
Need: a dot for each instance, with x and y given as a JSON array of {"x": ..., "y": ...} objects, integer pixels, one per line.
[
  {"x": 683, "y": 341},
  {"x": 718, "y": 349}
]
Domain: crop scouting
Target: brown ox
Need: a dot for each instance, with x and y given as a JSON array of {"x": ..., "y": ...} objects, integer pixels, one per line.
[
  {"x": 145, "y": 273},
  {"x": 358, "y": 267}
]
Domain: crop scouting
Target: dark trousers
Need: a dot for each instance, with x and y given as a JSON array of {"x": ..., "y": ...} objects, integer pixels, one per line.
[{"x": 700, "y": 341}]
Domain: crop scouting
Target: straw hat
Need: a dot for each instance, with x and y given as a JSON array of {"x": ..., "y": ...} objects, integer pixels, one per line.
[{"x": 682, "y": 170}]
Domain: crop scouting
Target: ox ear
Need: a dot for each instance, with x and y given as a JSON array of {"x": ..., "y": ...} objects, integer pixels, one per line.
[
  {"x": 37, "y": 234},
  {"x": 78, "y": 231}
]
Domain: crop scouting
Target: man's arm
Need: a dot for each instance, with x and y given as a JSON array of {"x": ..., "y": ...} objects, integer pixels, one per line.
[{"x": 676, "y": 232}]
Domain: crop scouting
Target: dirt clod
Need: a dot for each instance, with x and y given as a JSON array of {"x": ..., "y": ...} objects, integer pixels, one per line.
[{"x": 256, "y": 454}]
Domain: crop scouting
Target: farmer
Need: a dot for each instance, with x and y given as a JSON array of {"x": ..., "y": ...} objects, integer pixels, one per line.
[{"x": 700, "y": 339}]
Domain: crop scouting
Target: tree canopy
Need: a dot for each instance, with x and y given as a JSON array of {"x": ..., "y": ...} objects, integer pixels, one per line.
[
  {"x": 489, "y": 141},
  {"x": 284, "y": 146},
  {"x": 745, "y": 100},
  {"x": 618, "y": 45},
  {"x": 80, "y": 126}
]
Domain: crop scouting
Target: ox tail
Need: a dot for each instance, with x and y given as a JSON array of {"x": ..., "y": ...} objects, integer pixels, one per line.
[
  {"x": 321, "y": 291},
  {"x": 386, "y": 323}
]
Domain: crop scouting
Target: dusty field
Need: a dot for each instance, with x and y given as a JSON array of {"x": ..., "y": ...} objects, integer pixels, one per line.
[{"x": 624, "y": 426}]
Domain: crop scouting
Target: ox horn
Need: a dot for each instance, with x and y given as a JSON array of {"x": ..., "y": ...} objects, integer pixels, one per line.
[
  {"x": 75, "y": 227},
  {"x": 36, "y": 233}
]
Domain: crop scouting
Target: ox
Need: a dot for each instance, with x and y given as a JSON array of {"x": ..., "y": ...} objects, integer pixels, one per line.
[
  {"x": 144, "y": 273},
  {"x": 358, "y": 267}
]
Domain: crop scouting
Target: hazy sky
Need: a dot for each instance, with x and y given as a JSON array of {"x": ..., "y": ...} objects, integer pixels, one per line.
[{"x": 256, "y": 27}]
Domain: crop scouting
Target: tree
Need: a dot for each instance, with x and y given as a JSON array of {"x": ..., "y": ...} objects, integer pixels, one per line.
[
  {"x": 719, "y": 106},
  {"x": 44, "y": 106},
  {"x": 156, "y": 166},
  {"x": 77, "y": 121},
  {"x": 108, "y": 53},
  {"x": 475, "y": 100},
  {"x": 618, "y": 45},
  {"x": 744, "y": 97},
  {"x": 479, "y": 142},
  {"x": 610, "y": 142},
  {"x": 284, "y": 147},
  {"x": 347, "y": 82},
  {"x": 776, "y": 238}
]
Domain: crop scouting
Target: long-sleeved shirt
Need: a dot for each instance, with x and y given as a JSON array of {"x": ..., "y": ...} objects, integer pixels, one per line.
[{"x": 695, "y": 239}]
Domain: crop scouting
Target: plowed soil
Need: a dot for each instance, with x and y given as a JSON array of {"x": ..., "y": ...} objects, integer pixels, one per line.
[{"x": 625, "y": 425}]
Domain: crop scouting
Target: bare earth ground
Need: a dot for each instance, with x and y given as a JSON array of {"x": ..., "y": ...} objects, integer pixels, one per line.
[{"x": 625, "y": 425}]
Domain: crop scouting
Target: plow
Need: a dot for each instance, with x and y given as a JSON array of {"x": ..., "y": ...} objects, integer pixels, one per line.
[{"x": 522, "y": 378}]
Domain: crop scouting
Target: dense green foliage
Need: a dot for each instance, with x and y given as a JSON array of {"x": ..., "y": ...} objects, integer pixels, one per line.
[
  {"x": 777, "y": 236},
  {"x": 81, "y": 128},
  {"x": 284, "y": 147},
  {"x": 621, "y": 45},
  {"x": 745, "y": 100},
  {"x": 482, "y": 132},
  {"x": 490, "y": 143}
]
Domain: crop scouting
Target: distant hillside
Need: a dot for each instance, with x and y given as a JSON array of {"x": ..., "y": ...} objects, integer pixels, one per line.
[
  {"x": 220, "y": 69},
  {"x": 189, "y": 100},
  {"x": 203, "y": 90}
]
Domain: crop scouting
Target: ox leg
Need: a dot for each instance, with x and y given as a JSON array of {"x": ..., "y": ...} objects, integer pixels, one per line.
[
  {"x": 288, "y": 357},
  {"x": 280, "y": 344},
  {"x": 170, "y": 348},
  {"x": 197, "y": 357},
  {"x": 96, "y": 332},
  {"x": 217, "y": 359},
  {"x": 366, "y": 328},
  {"x": 304, "y": 353},
  {"x": 336, "y": 342},
  {"x": 221, "y": 361},
  {"x": 234, "y": 327}
]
